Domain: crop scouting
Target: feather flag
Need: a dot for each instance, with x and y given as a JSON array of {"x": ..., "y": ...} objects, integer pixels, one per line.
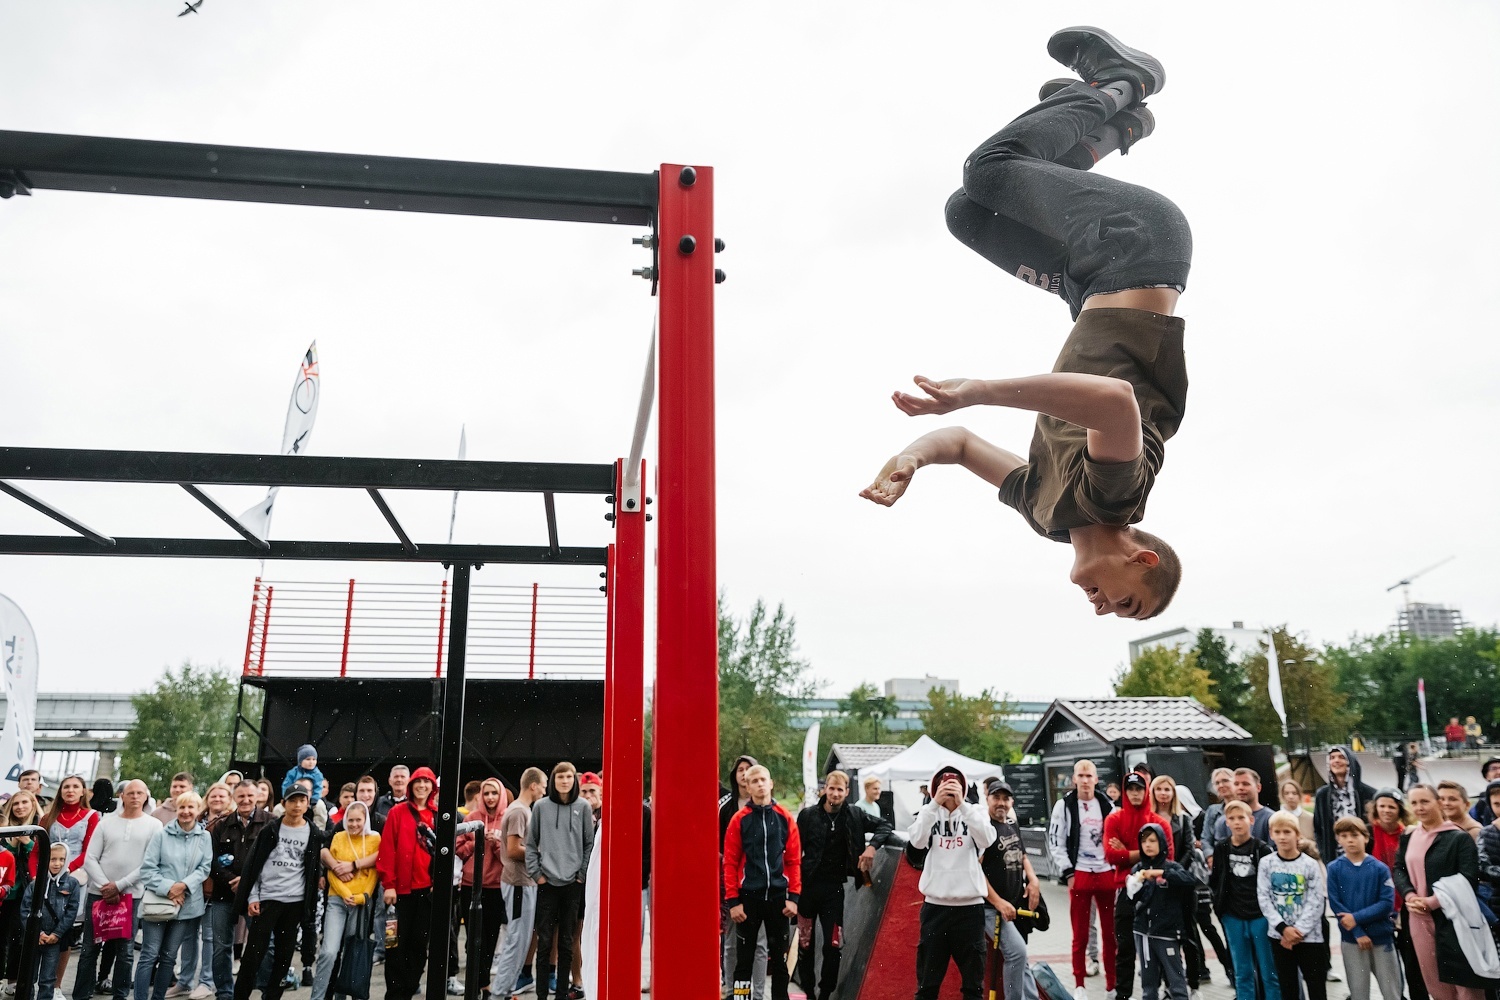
[{"x": 301, "y": 413}]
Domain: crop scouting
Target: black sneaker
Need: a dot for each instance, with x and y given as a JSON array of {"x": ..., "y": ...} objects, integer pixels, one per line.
[
  {"x": 1053, "y": 86},
  {"x": 1134, "y": 124},
  {"x": 307, "y": 976},
  {"x": 1098, "y": 57}
]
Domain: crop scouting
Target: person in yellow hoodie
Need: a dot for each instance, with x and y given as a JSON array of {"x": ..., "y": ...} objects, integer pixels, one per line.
[{"x": 350, "y": 860}]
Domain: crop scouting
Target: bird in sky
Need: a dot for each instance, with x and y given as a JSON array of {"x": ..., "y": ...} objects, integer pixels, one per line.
[{"x": 189, "y": 8}]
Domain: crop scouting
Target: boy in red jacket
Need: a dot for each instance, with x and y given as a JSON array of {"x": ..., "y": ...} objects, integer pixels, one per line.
[
  {"x": 1121, "y": 828},
  {"x": 762, "y": 880}
]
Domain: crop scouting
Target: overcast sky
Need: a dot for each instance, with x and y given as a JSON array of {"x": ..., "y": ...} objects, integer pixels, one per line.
[{"x": 1336, "y": 162}]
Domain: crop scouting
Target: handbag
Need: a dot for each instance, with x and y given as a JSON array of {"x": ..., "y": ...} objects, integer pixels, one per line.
[
  {"x": 158, "y": 909},
  {"x": 357, "y": 956},
  {"x": 112, "y": 921}
]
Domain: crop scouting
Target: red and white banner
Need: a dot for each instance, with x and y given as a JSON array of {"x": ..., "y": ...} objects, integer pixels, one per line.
[{"x": 301, "y": 413}]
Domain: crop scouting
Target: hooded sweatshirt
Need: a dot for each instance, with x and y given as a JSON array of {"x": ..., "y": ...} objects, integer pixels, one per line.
[
  {"x": 953, "y": 841},
  {"x": 1125, "y": 824},
  {"x": 560, "y": 836},
  {"x": 1160, "y": 904},
  {"x": 494, "y": 858},
  {"x": 1356, "y": 792},
  {"x": 406, "y": 842}
]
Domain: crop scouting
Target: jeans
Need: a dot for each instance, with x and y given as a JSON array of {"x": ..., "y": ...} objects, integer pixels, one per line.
[
  {"x": 279, "y": 920},
  {"x": 195, "y": 958},
  {"x": 821, "y": 906},
  {"x": 1020, "y": 984},
  {"x": 520, "y": 907},
  {"x": 46, "y": 973},
  {"x": 1253, "y": 960},
  {"x": 1381, "y": 961},
  {"x": 762, "y": 914},
  {"x": 160, "y": 943},
  {"x": 1069, "y": 231},
  {"x": 728, "y": 940},
  {"x": 557, "y": 908},
  {"x": 336, "y": 915},
  {"x": 119, "y": 951},
  {"x": 221, "y": 920},
  {"x": 1088, "y": 890}
]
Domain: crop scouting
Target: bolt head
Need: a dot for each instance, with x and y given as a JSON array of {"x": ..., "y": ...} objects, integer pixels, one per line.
[
  {"x": 719, "y": 276},
  {"x": 688, "y": 177},
  {"x": 687, "y": 245},
  {"x": 718, "y": 245}
]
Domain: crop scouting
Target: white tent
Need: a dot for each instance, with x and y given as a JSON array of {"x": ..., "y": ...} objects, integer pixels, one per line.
[{"x": 918, "y": 763}]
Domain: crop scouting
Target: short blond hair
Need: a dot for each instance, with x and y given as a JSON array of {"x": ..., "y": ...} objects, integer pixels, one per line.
[
  {"x": 1236, "y": 807},
  {"x": 868, "y": 780},
  {"x": 191, "y": 798},
  {"x": 1282, "y": 820},
  {"x": 755, "y": 771},
  {"x": 836, "y": 777},
  {"x": 1086, "y": 764}
]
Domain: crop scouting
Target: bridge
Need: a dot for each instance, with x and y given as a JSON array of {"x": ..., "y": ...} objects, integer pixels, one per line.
[{"x": 79, "y": 733}]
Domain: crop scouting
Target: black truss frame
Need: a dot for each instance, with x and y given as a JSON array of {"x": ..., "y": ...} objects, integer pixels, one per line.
[{"x": 38, "y": 160}]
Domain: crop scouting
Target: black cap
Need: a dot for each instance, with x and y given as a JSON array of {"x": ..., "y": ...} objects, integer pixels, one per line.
[
  {"x": 294, "y": 791},
  {"x": 1135, "y": 780},
  {"x": 993, "y": 785}
]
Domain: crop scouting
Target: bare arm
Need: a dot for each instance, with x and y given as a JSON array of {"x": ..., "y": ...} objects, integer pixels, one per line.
[
  {"x": 949, "y": 446},
  {"x": 1105, "y": 406}
]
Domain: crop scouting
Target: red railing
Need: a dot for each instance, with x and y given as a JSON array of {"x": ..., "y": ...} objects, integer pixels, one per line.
[{"x": 367, "y": 629}]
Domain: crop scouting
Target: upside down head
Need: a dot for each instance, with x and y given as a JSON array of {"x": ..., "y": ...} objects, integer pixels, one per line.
[{"x": 1126, "y": 572}]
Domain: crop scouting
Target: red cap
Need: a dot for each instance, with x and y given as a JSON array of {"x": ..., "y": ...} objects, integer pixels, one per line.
[{"x": 590, "y": 778}]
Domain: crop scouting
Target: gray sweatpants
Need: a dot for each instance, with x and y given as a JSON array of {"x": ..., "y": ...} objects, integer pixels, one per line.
[
  {"x": 1382, "y": 962},
  {"x": 1161, "y": 961},
  {"x": 511, "y": 954}
]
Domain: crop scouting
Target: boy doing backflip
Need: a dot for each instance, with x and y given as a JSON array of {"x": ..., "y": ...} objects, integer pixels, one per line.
[{"x": 1119, "y": 255}]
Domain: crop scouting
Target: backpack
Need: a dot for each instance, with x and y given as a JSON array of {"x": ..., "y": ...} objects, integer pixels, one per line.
[{"x": 1047, "y": 983}]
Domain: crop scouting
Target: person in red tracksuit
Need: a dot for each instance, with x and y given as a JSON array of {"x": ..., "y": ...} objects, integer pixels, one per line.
[
  {"x": 762, "y": 880},
  {"x": 405, "y": 865},
  {"x": 1122, "y": 828}
]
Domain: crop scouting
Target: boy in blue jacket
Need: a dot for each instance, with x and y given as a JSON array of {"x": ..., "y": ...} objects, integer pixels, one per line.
[
  {"x": 306, "y": 767},
  {"x": 1163, "y": 892},
  {"x": 1363, "y": 898},
  {"x": 59, "y": 911}
]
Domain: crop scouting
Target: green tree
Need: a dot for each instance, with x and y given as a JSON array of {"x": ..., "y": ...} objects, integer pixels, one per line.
[
  {"x": 761, "y": 680},
  {"x": 1379, "y": 675},
  {"x": 1310, "y": 690},
  {"x": 865, "y": 707},
  {"x": 1231, "y": 685},
  {"x": 1166, "y": 672},
  {"x": 184, "y": 723},
  {"x": 973, "y": 726}
]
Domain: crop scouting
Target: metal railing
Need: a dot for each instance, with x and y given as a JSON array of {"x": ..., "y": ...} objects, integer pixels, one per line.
[{"x": 353, "y": 628}]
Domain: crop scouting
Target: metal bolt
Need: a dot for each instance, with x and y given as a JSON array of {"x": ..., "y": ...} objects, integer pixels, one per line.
[
  {"x": 610, "y": 516},
  {"x": 446, "y": 816},
  {"x": 718, "y": 245},
  {"x": 609, "y": 499},
  {"x": 648, "y": 241},
  {"x": 719, "y": 276},
  {"x": 603, "y": 590},
  {"x": 443, "y": 851},
  {"x": 687, "y": 245},
  {"x": 688, "y": 177},
  {"x": 630, "y": 505},
  {"x": 649, "y": 273},
  {"x": 649, "y": 500},
  {"x": 648, "y": 517}
]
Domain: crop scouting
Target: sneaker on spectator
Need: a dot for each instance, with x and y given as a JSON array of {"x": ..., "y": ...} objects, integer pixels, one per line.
[
  {"x": 202, "y": 991},
  {"x": 290, "y": 982},
  {"x": 177, "y": 990},
  {"x": 552, "y": 984},
  {"x": 1091, "y": 969},
  {"x": 454, "y": 987},
  {"x": 525, "y": 983},
  {"x": 1080, "y": 993},
  {"x": 1195, "y": 995}
]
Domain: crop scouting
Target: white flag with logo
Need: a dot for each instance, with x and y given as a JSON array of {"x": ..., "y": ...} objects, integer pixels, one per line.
[
  {"x": 810, "y": 765},
  {"x": 463, "y": 450},
  {"x": 1273, "y": 678},
  {"x": 18, "y": 656},
  {"x": 301, "y": 413}
]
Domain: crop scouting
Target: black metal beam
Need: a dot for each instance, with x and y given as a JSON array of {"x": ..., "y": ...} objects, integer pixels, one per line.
[
  {"x": 450, "y": 760},
  {"x": 208, "y": 469},
  {"x": 231, "y": 548},
  {"x": 551, "y": 508},
  {"x": 41, "y": 506},
  {"x": 390, "y": 518},
  {"x": 226, "y": 517},
  {"x": 336, "y": 180}
]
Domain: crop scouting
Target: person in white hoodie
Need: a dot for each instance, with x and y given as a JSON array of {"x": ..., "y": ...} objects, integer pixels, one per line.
[{"x": 946, "y": 841}]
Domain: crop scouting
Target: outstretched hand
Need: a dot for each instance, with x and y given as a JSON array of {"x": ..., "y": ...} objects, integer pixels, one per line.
[
  {"x": 942, "y": 397},
  {"x": 892, "y": 481}
]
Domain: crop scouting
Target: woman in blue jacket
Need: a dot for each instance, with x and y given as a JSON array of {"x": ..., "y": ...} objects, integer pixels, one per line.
[{"x": 176, "y": 863}]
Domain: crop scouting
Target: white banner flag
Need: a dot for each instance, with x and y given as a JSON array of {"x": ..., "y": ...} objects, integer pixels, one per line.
[
  {"x": 1273, "y": 679},
  {"x": 810, "y": 765},
  {"x": 301, "y": 413},
  {"x": 463, "y": 450},
  {"x": 18, "y": 654}
]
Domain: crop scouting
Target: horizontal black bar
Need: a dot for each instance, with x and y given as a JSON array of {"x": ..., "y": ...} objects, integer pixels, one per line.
[
  {"x": 334, "y": 180},
  {"x": 43, "y": 507},
  {"x": 97, "y": 466},
  {"x": 233, "y": 548}
]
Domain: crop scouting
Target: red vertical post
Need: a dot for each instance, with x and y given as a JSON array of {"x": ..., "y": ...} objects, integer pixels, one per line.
[
  {"x": 531, "y": 665},
  {"x": 624, "y": 751},
  {"x": 265, "y": 633},
  {"x": 348, "y": 622},
  {"x": 685, "y": 749},
  {"x": 442, "y": 619},
  {"x": 603, "y": 845},
  {"x": 250, "y": 635}
]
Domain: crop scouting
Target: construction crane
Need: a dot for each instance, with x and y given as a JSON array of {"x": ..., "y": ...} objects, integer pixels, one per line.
[{"x": 1405, "y": 584}]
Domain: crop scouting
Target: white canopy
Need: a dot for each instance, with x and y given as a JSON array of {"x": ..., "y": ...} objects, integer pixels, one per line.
[{"x": 921, "y": 760}]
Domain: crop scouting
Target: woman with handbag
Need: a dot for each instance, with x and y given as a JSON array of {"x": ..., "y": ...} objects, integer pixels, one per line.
[
  {"x": 172, "y": 872},
  {"x": 350, "y": 860}
]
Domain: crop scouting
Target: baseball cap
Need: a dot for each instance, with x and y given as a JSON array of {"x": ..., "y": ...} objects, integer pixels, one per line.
[
  {"x": 1135, "y": 780},
  {"x": 295, "y": 791},
  {"x": 993, "y": 785},
  {"x": 590, "y": 778}
]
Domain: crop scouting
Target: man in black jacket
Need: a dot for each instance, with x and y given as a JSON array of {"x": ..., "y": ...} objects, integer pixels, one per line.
[
  {"x": 833, "y": 848},
  {"x": 1344, "y": 795},
  {"x": 278, "y": 881},
  {"x": 731, "y": 802},
  {"x": 233, "y": 837}
]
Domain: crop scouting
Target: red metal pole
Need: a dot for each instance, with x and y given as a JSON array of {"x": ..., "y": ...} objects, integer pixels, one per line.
[
  {"x": 265, "y": 633},
  {"x": 348, "y": 622},
  {"x": 685, "y": 749},
  {"x": 442, "y": 616},
  {"x": 624, "y": 752},
  {"x": 250, "y": 635},
  {"x": 607, "y": 885},
  {"x": 531, "y": 668}
]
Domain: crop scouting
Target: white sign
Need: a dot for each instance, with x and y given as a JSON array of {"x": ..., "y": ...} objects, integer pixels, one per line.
[
  {"x": 1070, "y": 736},
  {"x": 301, "y": 414},
  {"x": 18, "y": 657},
  {"x": 810, "y": 765}
]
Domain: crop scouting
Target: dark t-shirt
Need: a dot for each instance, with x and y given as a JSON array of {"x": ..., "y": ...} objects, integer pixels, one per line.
[
  {"x": 1061, "y": 487},
  {"x": 835, "y": 860},
  {"x": 1244, "y": 868},
  {"x": 1004, "y": 863}
]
